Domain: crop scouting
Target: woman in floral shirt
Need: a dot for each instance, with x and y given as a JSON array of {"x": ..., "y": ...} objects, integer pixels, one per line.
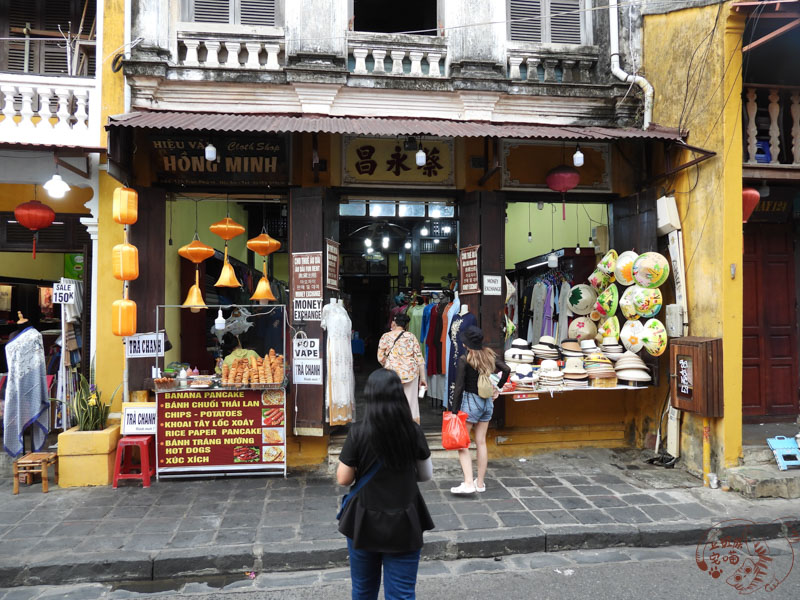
[{"x": 399, "y": 351}]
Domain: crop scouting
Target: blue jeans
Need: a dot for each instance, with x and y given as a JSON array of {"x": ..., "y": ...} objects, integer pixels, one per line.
[{"x": 399, "y": 573}]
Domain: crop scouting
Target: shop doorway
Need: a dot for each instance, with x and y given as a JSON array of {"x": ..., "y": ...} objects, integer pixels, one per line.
[{"x": 769, "y": 384}]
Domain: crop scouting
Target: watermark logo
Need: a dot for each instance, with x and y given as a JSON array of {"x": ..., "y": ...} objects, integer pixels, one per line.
[{"x": 731, "y": 552}]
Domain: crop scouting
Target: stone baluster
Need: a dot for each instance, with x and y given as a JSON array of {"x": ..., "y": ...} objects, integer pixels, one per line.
[
  {"x": 63, "y": 109},
  {"x": 44, "y": 108},
  {"x": 360, "y": 55},
  {"x": 513, "y": 67},
  {"x": 751, "y": 107},
  {"x": 795, "y": 111},
  {"x": 397, "y": 61},
  {"x": 81, "y": 109},
  {"x": 584, "y": 71},
  {"x": 533, "y": 68},
  {"x": 567, "y": 70},
  {"x": 379, "y": 56},
  {"x": 550, "y": 65},
  {"x": 232, "y": 60},
  {"x": 9, "y": 112},
  {"x": 253, "y": 48},
  {"x": 272, "y": 50},
  {"x": 26, "y": 111},
  {"x": 416, "y": 62},
  {"x": 774, "y": 128},
  {"x": 433, "y": 64},
  {"x": 212, "y": 56},
  {"x": 191, "y": 53}
]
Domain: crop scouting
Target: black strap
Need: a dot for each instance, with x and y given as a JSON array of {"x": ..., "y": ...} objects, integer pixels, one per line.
[
  {"x": 357, "y": 487},
  {"x": 395, "y": 341}
]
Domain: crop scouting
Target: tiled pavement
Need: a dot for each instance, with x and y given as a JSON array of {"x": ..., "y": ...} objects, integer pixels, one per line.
[{"x": 550, "y": 502}]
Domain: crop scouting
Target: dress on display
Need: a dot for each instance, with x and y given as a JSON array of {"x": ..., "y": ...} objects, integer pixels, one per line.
[
  {"x": 460, "y": 323},
  {"x": 340, "y": 384},
  {"x": 415, "y": 324},
  {"x": 426, "y": 324}
]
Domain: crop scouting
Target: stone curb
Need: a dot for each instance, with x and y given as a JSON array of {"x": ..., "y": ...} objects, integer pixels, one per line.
[{"x": 325, "y": 554}]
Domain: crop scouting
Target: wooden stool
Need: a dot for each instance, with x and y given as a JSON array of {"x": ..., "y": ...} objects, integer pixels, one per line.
[
  {"x": 35, "y": 462},
  {"x": 147, "y": 459}
]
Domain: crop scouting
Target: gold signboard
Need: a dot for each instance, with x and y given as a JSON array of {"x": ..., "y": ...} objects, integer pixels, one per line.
[{"x": 384, "y": 160}]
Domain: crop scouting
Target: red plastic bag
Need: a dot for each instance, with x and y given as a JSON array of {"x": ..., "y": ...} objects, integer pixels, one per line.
[{"x": 454, "y": 431}]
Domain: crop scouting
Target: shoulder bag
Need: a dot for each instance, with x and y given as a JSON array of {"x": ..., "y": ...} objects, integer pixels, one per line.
[{"x": 357, "y": 488}]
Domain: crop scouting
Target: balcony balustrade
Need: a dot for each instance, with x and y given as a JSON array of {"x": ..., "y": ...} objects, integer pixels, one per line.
[
  {"x": 219, "y": 48},
  {"x": 552, "y": 66},
  {"x": 397, "y": 55},
  {"x": 771, "y": 125},
  {"x": 48, "y": 110}
]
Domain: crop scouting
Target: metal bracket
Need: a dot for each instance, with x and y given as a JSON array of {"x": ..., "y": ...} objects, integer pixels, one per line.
[{"x": 59, "y": 154}]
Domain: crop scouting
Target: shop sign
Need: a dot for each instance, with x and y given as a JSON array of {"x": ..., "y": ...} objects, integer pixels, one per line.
[
  {"x": 73, "y": 266},
  {"x": 63, "y": 293},
  {"x": 139, "y": 418},
  {"x": 243, "y": 160},
  {"x": 221, "y": 430},
  {"x": 469, "y": 280},
  {"x": 306, "y": 286},
  {"x": 385, "y": 160},
  {"x": 492, "y": 285},
  {"x": 306, "y": 361},
  {"x": 144, "y": 345},
  {"x": 685, "y": 376},
  {"x": 332, "y": 273}
]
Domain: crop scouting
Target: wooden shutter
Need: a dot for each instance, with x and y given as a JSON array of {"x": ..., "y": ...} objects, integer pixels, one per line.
[
  {"x": 257, "y": 12},
  {"x": 57, "y": 14},
  {"x": 525, "y": 17},
  {"x": 211, "y": 11},
  {"x": 20, "y": 13},
  {"x": 565, "y": 22}
]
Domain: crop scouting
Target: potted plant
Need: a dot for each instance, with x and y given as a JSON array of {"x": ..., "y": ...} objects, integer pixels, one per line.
[{"x": 87, "y": 452}]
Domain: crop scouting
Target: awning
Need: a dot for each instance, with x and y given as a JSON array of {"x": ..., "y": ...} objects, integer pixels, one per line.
[{"x": 379, "y": 126}]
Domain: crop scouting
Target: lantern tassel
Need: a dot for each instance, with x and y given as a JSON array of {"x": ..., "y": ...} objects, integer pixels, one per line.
[
  {"x": 35, "y": 237},
  {"x": 563, "y": 206}
]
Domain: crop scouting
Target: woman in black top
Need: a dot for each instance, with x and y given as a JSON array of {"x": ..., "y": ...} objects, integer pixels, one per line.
[
  {"x": 477, "y": 360},
  {"x": 385, "y": 520}
]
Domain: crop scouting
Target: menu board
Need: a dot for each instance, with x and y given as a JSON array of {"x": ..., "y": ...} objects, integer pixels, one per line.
[{"x": 219, "y": 431}]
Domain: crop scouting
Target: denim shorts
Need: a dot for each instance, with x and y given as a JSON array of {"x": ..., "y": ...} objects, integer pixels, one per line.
[{"x": 479, "y": 410}]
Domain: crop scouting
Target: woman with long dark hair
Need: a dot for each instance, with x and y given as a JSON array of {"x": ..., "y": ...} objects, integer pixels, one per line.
[{"x": 385, "y": 520}]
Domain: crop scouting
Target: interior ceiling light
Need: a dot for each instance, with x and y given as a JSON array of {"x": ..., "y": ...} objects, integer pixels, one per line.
[
  {"x": 763, "y": 191},
  {"x": 369, "y": 250},
  {"x": 385, "y": 242},
  {"x": 423, "y": 231},
  {"x": 407, "y": 245},
  {"x": 420, "y": 157},
  {"x": 56, "y": 187},
  {"x": 436, "y": 213},
  {"x": 436, "y": 241},
  {"x": 552, "y": 260},
  {"x": 211, "y": 153},
  {"x": 367, "y": 242},
  {"x": 446, "y": 229},
  {"x": 219, "y": 322},
  {"x": 577, "y": 231},
  {"x": 577, "y": 158},
  {"x": 540, "y": 205}
]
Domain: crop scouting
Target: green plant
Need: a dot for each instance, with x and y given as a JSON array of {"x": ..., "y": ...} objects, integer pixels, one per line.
[{"x": 88, "y": 409}]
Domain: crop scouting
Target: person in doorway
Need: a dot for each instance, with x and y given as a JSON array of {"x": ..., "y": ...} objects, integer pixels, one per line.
[
  {"x": 478, "y": 361},
  {"x": 385, "y": 519},
  {"x": 399, "y": 351},
  {"x": 232, "y": 349}
]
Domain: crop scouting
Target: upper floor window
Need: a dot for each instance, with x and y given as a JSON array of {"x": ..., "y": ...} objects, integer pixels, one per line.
[
  {"x": 234, "y": 12},
  {"x": 378, "y": 16},
  {"x": 549, "y": 21},
  {"x": 52, "y": 37}
]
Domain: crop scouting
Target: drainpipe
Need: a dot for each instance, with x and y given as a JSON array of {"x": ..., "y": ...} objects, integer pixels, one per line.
[{"x": 613, "y": 21}]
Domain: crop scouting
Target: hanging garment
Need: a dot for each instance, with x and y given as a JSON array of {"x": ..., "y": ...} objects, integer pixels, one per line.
[
  {"x": 443, "y": 333},
  {"x": 415, "y": 324},
  {"x": 564, "y": 312},
  {"x": 340, "y": 384},
  {"x": 426, "y": 325},
  {"x": 433, "y": 346},
  {"x": 460, "y": 323},
  {"x": 454, "y": 309},
  {"x": 538, "y": 298},
  {"x": 26, "y": 403}
]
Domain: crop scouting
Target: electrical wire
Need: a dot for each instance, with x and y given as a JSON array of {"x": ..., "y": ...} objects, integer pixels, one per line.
[{"x": 689, "y": 104}]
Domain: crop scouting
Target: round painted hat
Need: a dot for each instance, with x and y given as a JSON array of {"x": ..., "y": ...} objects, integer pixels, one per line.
[
  {"x": 631, "y": 335},
  {"x": 599, "y": 280},
  {"x": 647, "y": 301},
  {"x": 582, "y": 328},
  {"x": 607, "y": 301},
  {"x": 623, "y": 272},
  {"x": 651, "y": 269},
  {"x": 608, "y": 263},
  {"x": 626, "y": 303},
  {"x": 609, "y": 328},
  {"x": 582, "y": 298},
  {"x": 654, "y": 337}
]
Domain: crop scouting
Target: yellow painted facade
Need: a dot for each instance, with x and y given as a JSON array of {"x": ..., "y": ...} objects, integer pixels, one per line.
[{"x": 710, "y": 197}]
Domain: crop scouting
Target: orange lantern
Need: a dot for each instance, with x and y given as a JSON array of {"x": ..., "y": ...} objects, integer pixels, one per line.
[
  {"x": 227, "y": 229},
  {"x": 123, "y": 317},
  {"x": 194, "y": 299},
  {"x": 125, "y": 205},
  {"x": 263, "y": 244},
  {"x": 196, "y": 251},
  {"x": 227, "y": 278},
  {"x": 263, "y": 289},
  {"x": 125, "y": 259}
]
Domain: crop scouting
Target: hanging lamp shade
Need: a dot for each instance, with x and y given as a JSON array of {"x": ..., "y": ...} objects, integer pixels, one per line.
[
  {"x": 562, "y": 179},
  {"x": 227, "y": 278},
  {"x": 263, "y": 289},
  {"x": 263, "y": 244},
  {"x": 125, "y": 261},
  {"x": 227, "y": 229},
  {"x": 123, "y": 317},
  {"x": 125, "y": 205},
  {"x": 34, "y": 215},
  {"x": 750, "y": 199},
  {"x": 194, "y": 299},
  {"x": 196, "y": 251}
]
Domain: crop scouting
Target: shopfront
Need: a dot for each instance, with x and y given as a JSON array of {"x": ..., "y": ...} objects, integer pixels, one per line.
[{"x": 380, "y": 215}]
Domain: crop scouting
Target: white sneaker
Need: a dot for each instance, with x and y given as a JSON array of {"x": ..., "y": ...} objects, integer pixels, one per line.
[
  {"x": 463, "y": 489},
  {"x": 478, "y": 488}
]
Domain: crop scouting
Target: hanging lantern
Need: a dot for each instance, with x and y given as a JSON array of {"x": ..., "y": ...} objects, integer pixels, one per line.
[
  {"x": 263, "y": 289},
  {"x": 125, "y": 260},
  {"x": 227, "y": 278},
  {"x": 227, "y": 229},
  {"x": 125, "y": 206},
  {"x": 563, "y": 179},
  {"x": 263, "y": 244},
  {"x": 196, "y": 251},
  {"x": 750, "y": 199},
  {"x": 34, "y": 215},
  {"x": 194, "y": 299},
  {"x": 123, "y": 317}
]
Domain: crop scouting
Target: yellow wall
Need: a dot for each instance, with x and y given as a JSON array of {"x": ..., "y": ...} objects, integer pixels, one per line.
[
  {"x": 711, "y": 211},
  {"x": 48, "y": 266},
  {"x": 14, "y": 194},
  {"x": 436, "y": 266}
]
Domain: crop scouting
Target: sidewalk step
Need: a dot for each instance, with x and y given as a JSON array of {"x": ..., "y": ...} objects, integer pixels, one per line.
[
  {"x": 757, "y": 455},
  {"x": 764, "y": 481}
]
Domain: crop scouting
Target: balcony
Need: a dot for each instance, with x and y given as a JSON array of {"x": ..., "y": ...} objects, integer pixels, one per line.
[
  {"x": 40, "y": 109},
  {"x": 210, "y": 45},
  {"x": 552, "y": 65},
  {"x": 397, "y": 55},
  {"x": 771, "y": 131}
]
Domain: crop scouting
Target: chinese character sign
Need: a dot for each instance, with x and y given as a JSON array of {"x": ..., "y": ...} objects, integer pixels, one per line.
[
  {"x": 469, "y": 272},
  {"x": 379, "y": 160},
  {"x": 685, "y": 376},
  {"x": 332, "y": 272}
]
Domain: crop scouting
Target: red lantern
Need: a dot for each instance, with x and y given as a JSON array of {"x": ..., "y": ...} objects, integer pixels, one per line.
[
  {"x": 35, "y": 216},
  {"x": 563, "y": 179},
  {"x": 750, "y": 198}
]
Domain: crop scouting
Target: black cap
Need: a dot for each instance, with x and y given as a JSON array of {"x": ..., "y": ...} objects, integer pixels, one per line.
[{"x": 472, "y": 337}]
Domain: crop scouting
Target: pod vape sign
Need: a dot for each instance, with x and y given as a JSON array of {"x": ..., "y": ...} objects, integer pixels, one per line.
[{"x": 306, "y": 361}]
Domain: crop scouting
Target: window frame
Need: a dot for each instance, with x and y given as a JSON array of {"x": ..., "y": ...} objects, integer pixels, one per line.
[
  {"x": 234, "y": 16},
  {"x": 586, "y": 33}
]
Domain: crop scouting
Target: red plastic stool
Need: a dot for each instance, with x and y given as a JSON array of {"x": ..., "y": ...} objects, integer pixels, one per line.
[{"x": 124, "y": 467}]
